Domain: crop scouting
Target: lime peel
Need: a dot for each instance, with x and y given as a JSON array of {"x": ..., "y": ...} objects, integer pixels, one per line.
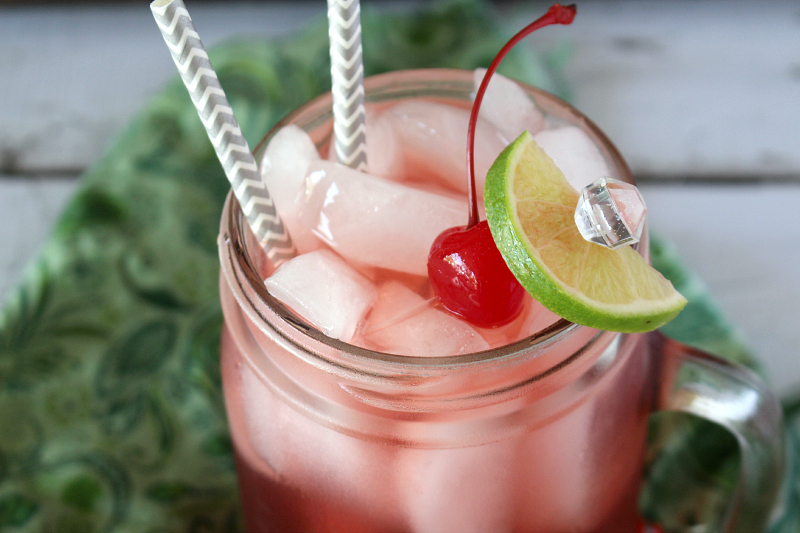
[{"x": 614, "y": 290}]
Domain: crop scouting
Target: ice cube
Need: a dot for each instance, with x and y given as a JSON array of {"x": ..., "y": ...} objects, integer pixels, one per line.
[
  {"x": 574, "y": 153},
  {"x": 538, "y": 318},
  {"x": 395, "y": 302},
  {"x": 434, "y": 139},
  {"x": 384, "y": 152},
  {"x": 326, "y": 291},
  {"x": 376, "y": 221},
  {"x": 464, "y": 490},
  {"x": 556, "y": 455},
  {"x": 508, "y": 107},
  {"x": 283, "y": 169},
  {"x": 403, "y": 323},
  {"x": 348, "y": 474}
]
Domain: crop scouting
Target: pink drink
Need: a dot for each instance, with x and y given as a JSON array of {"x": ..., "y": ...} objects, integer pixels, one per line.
[
  {"x": 572, "y": 466},
  {"x": 544, "y": 432}
]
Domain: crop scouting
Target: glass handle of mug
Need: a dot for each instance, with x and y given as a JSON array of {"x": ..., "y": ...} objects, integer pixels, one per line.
[{"x": 737, "y": 399}]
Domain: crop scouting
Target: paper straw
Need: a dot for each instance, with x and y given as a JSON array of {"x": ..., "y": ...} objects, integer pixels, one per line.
[
  {"x": 347, "y": 74},
  {"x": 223, "y": 130}
]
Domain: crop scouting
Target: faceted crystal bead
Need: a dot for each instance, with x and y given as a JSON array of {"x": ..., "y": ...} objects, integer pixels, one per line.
[{"x": 611, "y": 213}]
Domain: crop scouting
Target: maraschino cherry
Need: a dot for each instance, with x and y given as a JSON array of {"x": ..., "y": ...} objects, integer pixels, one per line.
[{"x": 467, "y": 272}]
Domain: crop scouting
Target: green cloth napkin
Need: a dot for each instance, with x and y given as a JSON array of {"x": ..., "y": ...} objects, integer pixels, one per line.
[{"x": 111, "y": 413}]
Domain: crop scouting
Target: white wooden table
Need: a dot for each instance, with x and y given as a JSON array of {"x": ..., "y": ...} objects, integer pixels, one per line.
[{"x": 703, "y": 98}]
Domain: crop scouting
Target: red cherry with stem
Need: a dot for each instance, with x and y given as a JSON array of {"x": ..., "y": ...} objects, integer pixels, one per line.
[
  {"x": 467, "y": 272},
  {"x": 471, "y": 278}
]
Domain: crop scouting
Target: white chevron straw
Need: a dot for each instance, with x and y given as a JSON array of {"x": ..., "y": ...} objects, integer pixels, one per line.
[
  {"x": 223, "y": 130},
  {"x": 347, "y": 74}
]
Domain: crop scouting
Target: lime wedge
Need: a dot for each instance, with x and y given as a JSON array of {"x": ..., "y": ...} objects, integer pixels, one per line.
[{"x": 530, "y": 207}]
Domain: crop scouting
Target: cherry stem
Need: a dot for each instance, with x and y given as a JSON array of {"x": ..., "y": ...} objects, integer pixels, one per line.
[{"x": 557, "y": 14}]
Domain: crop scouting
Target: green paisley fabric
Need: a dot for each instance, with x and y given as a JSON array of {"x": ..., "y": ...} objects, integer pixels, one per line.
[{"x": 111, "y": 414}]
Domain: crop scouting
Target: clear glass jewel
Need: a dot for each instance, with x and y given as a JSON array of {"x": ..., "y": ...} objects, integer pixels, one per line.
[{"x": 611, "y": 213}]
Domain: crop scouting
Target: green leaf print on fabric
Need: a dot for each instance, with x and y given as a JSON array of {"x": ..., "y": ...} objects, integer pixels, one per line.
[
  {"x": 16, "y": 510},
  {"x": 140, "y": 354},
  {"x": 82, "y": 493},
  {"x": 111, "y": 413}
]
